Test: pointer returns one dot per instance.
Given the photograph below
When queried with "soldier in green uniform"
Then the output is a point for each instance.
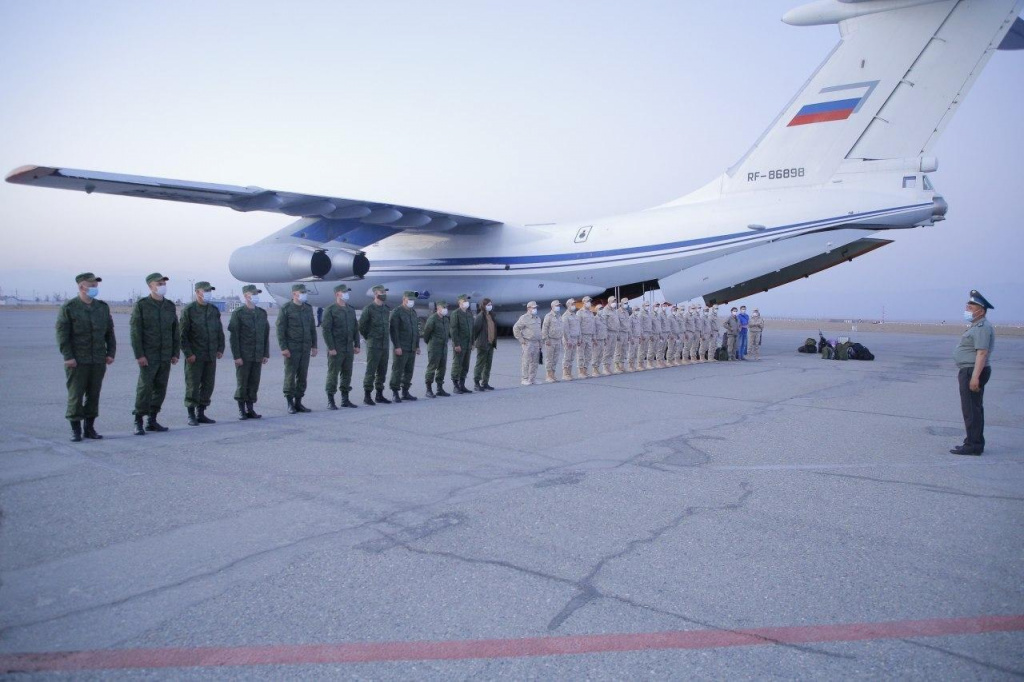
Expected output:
(435, 334)
(85, 337)
(462, 343)
(155, 343)
(202, 344)
(972, 357)
(485, 339)
(249, 334)
(341, 337)
(374, 326)
(296, 335)
(405, 337)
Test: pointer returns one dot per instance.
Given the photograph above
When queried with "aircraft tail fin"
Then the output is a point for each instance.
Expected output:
(885, 92)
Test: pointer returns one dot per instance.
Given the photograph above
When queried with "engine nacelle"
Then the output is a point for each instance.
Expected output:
(294, 262)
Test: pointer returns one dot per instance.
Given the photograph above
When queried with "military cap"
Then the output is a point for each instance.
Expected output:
(531, 304)
(379, 288)
(409, 294)
(569, 301)
(155, 277)
(251, 289)
(978, 299)
(587, 299)
(301, 288)
(441, 304)
(87, 277)
(341, 287)
(204, 286)
(463, 297)
(555, 302)
(611, 298)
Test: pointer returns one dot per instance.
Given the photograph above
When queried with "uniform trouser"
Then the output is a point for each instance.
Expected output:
(649, 351)
(530, 360)
(730, 344)
(401, 370)
(248, 379)
(482, 369)
(437, 360)
(671, 343)
(339, 367)
(570, 352)
(376, 368)
(741, 344)
(704, 348)
(621, 347)
(599, 346)
(152, 387)
(553, 356)
(586, 354)
(971, 404)
(84, 383)
(659, 347)
(200, 377)
(296, 369)
(609, 354)
(755, 343)
(460, 363)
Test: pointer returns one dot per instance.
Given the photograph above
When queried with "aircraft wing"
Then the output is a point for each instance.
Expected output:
(361, 221)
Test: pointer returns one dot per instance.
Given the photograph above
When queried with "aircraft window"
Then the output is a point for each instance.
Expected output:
(909, 181)
(927, 183)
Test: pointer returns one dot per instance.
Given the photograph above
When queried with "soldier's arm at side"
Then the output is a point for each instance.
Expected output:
(364, 322)
(111, 339)
(135, 326)
(64, 336)
(220, 336)
(236, 345)
(175, 346)
(312, 316)
(282, 327)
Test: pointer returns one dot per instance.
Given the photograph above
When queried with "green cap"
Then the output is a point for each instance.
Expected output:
(251, 289)
(441, 304)
(379, 288)
(155, 277)
(341, 287)
(204, 286)
(409, 294)
(463, 297)
(301, 288)
(87, 277)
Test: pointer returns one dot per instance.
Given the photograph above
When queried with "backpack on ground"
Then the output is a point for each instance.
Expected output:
(828, 353)
(808, 347)
(843, 351)
(860, 352)
(722, 353)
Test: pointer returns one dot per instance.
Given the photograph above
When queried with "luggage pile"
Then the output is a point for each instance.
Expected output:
(836, 349)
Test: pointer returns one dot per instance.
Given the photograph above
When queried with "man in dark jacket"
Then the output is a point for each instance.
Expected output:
(374, 326)
(249, 334)
(155, 343)
(462, 343)
(296, 335)
(405, 337)
(341, 337)
(485, 340)
(202, 343)
(85, 336)
(435, 333)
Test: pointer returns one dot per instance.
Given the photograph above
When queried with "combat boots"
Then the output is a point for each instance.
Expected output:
(477, 387)
(584, 373)
(460, 386)
(202, 418)
(299, 407)
(330, 402)
(242, 414)
(250, 412)
(90, 429)
(441, 393)
(192, 421)
(345, 402)
(291, 404)
(381, 399)
(566, 375)
(395, 398)
(550, 379)
(139, 431)
(619, 369)
(367, 398)
(76, 432)
(152, 425)
(406, 395)
(430, 390)
(486, 386)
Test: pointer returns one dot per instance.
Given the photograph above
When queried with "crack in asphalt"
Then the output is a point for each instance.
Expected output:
(930, 487)
(964, 657)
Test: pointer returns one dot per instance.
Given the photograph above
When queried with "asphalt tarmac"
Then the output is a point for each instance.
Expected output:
(782, 519)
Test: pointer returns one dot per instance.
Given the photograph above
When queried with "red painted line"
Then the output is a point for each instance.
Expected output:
(375, 652)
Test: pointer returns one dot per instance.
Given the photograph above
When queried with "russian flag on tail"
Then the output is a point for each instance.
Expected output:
(833, 110)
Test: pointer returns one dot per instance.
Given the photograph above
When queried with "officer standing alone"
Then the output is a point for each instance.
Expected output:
(341, 338)
(85, 337)
(296, 335)
(156, 345)
(972, 356)
(249, 337)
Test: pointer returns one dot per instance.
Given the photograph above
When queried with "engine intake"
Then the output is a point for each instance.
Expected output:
(294, 262)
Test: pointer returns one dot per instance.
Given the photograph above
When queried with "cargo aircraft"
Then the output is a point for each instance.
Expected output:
(842, 166)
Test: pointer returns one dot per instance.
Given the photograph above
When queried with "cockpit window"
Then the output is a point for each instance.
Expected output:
(927, 183)
(909, 181)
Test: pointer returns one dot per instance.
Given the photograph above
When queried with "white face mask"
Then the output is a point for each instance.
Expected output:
(344, 295)
(532, 311)
(464, 305)
(489, 307)
(162, 290)
(557, 308)
(442, 312)
(92, 292)
(613, 304)
(587, 305)
(303, 297)
(968, 316)
(410, 304)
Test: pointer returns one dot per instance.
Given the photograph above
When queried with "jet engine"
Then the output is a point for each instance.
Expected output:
(294, 263)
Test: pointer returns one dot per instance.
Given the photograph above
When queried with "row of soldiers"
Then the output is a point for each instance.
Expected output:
(159, 338)
(611, 339)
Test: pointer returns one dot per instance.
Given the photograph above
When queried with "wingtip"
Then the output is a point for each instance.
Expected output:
(24, 175)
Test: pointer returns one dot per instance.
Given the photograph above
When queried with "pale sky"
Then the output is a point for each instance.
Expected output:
(526, 112)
